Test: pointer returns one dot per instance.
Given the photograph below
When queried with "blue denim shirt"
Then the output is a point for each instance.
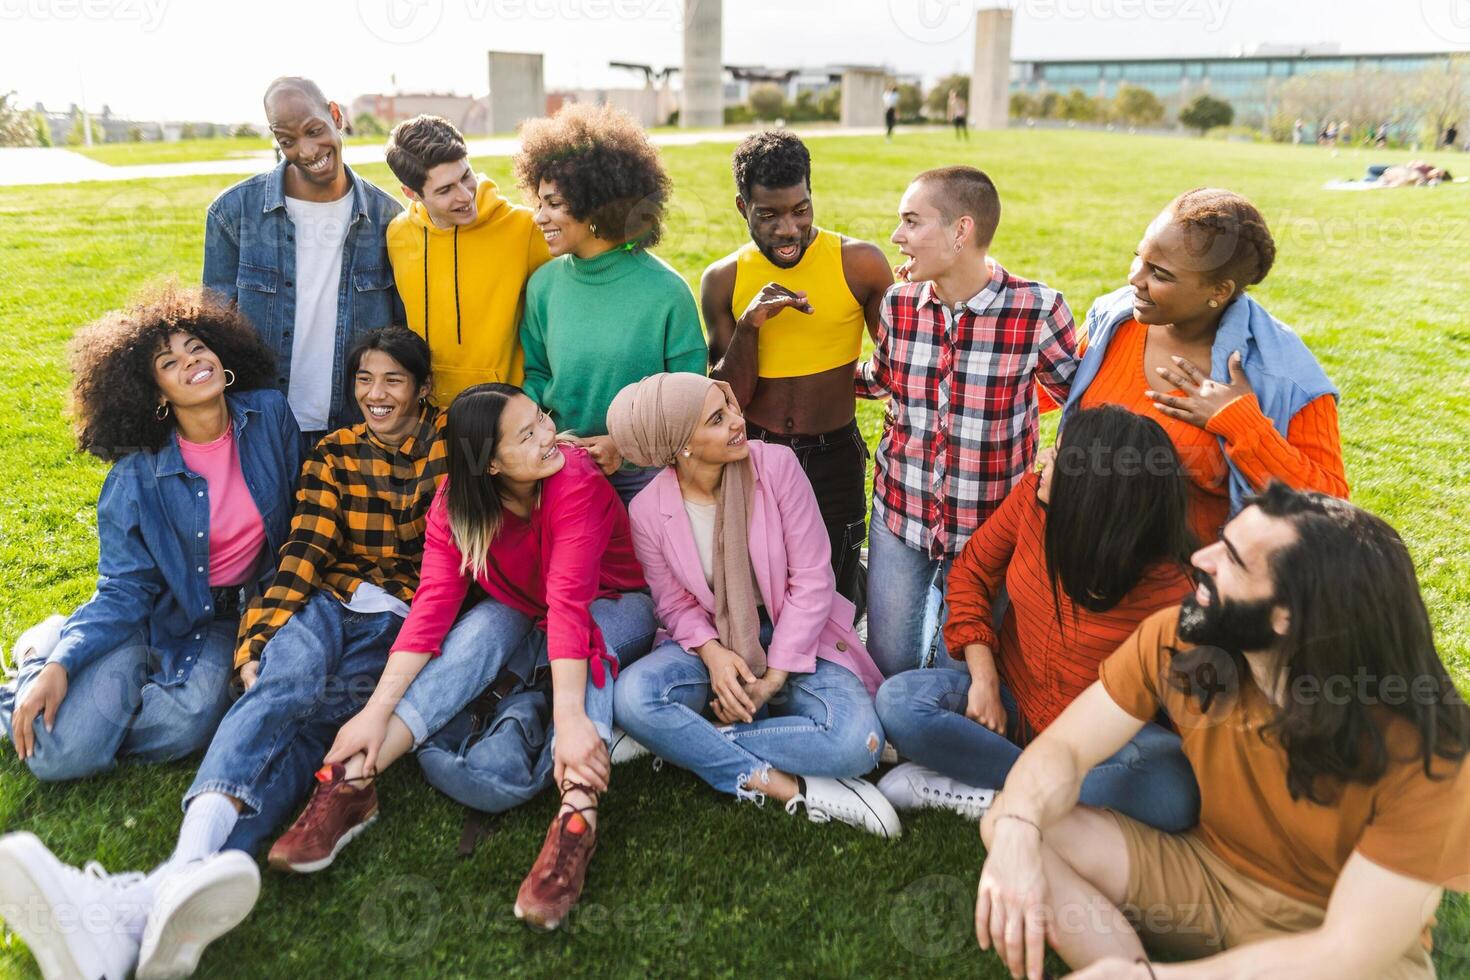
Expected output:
(1280, 367)
(250, 258)
(153, 547)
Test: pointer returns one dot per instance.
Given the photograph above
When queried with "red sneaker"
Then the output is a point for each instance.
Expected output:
(337, 812)
(554, 884)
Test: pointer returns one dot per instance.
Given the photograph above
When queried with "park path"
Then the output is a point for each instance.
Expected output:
(33, 165)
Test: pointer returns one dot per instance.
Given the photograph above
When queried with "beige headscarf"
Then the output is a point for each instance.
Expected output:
(651, 420)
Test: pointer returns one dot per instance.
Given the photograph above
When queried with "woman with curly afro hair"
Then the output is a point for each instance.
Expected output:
(1241, 397)
(176, 392)
(604, 312)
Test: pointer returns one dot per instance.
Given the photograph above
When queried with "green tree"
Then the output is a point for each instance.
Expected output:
(188, 131)
(367, 124)
(77, 136)
(767, 101)
(1205, 112)
(1137, 106)
(829, 103)
(16, 126)
(42, 128)
(1024, 105)
(910, 101)
(1050, 106)
(245, 131)
(1078, 106)
(937, 101)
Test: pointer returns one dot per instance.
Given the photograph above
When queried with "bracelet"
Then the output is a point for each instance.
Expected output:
(1011, 816)
(1147, 966)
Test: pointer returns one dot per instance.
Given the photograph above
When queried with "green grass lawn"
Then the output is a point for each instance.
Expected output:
(685, 881)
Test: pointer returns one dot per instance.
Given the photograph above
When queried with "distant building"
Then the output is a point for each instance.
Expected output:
(470, 115)
(1247, 82)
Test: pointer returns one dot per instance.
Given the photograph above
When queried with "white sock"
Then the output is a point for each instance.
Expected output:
(207, 825)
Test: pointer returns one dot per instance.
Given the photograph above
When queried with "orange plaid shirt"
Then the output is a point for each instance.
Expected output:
(360, 514)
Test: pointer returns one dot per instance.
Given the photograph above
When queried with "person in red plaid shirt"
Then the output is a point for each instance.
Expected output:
(960, 348)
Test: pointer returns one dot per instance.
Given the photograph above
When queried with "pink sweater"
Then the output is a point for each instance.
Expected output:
(236, 532)
(575, 549)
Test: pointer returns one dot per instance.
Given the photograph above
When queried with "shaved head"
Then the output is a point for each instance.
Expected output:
(304, 87)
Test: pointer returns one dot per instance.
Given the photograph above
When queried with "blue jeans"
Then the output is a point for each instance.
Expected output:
(115, 706)
(629, 480)
(905, 602)
(923, 712)
(497, 773)
(819, 724)
(316, 672)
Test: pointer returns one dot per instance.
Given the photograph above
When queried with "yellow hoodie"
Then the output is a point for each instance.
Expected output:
(470, 314)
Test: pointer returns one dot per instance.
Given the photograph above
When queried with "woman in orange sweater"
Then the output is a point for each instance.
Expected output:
(1240, 395)
(1086, 549)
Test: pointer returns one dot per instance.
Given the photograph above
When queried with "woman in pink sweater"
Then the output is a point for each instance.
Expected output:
(762, 688)
(536, 526)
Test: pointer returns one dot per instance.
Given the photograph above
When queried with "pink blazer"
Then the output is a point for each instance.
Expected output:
(791, 556)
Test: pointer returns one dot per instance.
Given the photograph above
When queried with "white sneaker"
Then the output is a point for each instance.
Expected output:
(911, 786)
(625, 748)
(75, 922)
(852, 801)
(38, 641)
(193, 908)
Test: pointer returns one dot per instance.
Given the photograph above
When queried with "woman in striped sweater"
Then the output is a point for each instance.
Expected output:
(1085, 549)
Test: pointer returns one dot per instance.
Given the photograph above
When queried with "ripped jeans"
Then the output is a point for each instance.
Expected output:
(819, 724)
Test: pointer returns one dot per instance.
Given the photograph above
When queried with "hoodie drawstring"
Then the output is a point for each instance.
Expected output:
(457, 338)
(426, 283)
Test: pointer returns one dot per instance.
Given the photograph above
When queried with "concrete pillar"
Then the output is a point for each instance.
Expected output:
(703, 75)
(862, 96)
(517, 90)
(990, 78)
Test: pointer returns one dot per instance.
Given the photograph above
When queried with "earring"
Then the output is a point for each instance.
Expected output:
(593, 228)
(161, 412)
(423, 399)
(229, 377)
(1214, 304)
(685, 454)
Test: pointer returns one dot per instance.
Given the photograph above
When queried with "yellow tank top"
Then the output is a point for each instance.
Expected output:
(793, 344)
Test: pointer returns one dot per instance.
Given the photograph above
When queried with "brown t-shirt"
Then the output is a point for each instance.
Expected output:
(1406, 822)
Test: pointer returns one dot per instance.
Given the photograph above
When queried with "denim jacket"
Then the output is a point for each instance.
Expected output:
(250, 259)
(153, 542)
(1283, 372)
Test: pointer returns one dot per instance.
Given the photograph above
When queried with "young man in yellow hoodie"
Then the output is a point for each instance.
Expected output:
(461, 255)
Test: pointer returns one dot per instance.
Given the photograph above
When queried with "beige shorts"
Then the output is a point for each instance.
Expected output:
(1186, 902)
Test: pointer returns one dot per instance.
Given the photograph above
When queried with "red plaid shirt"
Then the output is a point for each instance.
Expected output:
(961, 424)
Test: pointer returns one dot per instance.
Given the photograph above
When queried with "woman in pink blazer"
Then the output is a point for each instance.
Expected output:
(762, 688)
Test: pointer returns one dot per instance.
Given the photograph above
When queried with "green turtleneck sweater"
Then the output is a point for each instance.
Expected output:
(594, 325)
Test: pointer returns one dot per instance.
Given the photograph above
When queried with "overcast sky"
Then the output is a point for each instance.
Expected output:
(210, 59)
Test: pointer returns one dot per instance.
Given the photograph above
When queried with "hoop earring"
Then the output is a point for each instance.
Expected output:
(423, 399)
(229, 377)
(161, 412)
(593, 228)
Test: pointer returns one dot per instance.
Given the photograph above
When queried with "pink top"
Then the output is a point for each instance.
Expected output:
(236, 532)
(789, 552)
(576, 548)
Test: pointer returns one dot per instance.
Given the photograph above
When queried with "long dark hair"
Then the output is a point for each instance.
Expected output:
(1118, 503)
(1349, 586)
(473, 495)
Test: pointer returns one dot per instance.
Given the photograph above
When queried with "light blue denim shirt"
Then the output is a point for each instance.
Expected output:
(153, 541)
(1283, 372)
(250, 258)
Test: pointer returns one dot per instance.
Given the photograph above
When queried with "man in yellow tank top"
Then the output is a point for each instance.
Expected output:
(786, 314)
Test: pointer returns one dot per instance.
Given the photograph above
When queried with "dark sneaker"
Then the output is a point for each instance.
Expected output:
(337, 813)
(554, 883)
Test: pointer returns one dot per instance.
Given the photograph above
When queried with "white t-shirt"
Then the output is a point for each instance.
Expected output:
(890, 100)
(702, 523)
(321, 236)
(368, 598)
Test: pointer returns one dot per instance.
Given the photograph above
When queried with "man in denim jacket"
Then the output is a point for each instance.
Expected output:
(303, 251)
